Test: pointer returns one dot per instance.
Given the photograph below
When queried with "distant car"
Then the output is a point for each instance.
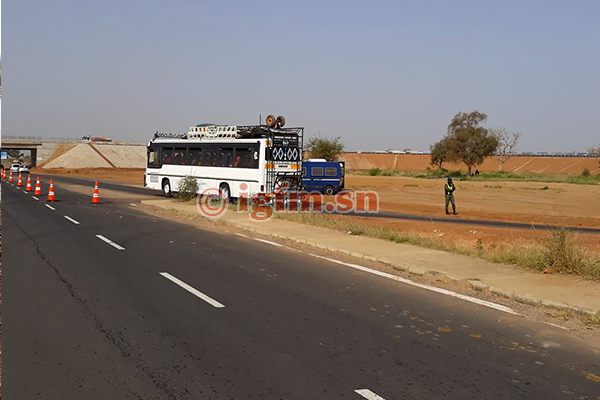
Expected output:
(15, 167)
(24, 168)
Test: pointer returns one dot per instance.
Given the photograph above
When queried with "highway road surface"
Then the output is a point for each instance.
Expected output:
(108, 302)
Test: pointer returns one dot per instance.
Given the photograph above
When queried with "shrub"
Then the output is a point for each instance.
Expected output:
(586, 172)
(188, 189)
(374, 172)
(563, 252)
(456, 174)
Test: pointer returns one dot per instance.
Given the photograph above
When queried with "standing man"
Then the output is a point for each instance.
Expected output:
(449, 188)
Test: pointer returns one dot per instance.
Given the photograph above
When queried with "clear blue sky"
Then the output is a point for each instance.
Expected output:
(380, 74)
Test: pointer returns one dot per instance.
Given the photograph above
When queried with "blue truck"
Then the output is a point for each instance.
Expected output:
(323, 176)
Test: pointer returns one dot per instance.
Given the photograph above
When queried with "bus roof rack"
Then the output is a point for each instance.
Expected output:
(158, 134)
(262, 130)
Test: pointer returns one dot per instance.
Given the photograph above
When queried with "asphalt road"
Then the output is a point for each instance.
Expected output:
(154, 309)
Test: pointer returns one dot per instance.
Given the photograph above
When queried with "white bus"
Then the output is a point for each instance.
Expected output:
(235, 160)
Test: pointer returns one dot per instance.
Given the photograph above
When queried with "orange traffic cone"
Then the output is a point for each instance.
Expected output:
(51, 197)
(28, 187)
(38, 187)
(3, 174)
(20, 181)
(10, 177)
(96, 196)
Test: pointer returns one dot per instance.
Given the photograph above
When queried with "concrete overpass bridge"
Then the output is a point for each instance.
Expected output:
(37, 145)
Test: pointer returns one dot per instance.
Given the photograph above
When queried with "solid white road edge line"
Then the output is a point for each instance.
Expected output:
(192, 290)
(367, 394)
(268, 242)
(71, 219)
(113, 244)
(241, 234)
(35, 198)
(50, 207)
(446, 292)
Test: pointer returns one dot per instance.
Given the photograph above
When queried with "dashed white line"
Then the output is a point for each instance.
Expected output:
(35, 198)
(25, 192)
(192, 290)
(107, 240)
(241, 234)
(367, 394)
(446, 292)
(268, 242)
(71, 219)
(50, 207)
(133, 204)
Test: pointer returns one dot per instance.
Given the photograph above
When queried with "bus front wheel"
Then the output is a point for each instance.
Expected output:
(166, 188)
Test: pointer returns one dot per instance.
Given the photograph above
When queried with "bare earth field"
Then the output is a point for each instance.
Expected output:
(529, 202)
(133, 176)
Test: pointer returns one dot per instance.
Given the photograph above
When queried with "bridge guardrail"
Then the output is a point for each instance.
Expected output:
(67, 140)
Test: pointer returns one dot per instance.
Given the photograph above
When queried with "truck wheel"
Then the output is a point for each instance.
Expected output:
(166, 188)
(280, 121)
(270, 121)
(224, 192)
(329, 190)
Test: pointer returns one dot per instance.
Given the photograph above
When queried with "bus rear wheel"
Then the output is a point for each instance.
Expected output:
(225, 192)
(166, 188)
(329, 190)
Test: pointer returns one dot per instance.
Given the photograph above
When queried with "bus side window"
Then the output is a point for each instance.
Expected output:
(255, 156)
(180, 156)
(166, 155)
(316, 171)
(226, 157)
(209, 156)
(243, 157)
(153, 158)
(195, 156)
(330, 171)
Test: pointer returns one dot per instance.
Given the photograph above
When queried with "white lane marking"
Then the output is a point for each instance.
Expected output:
(107, 240)
(192, 290)
(446, 292)
(133, 204)
(268, 242)
(50, 207)
(71, 219)
(241, 234)
(556, 326)
(35, 198)
(25, 192)
(367, 394)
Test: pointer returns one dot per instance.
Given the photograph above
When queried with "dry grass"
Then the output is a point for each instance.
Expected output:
(556, 251)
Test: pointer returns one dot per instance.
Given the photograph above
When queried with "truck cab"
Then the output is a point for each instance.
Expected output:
(327, 177)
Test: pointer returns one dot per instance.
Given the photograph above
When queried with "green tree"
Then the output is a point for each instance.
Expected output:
(439, 153)
(328, 148)
(468, 141)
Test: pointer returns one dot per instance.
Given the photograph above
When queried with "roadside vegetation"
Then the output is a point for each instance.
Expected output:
(556, 251)
(586, 178)
(188, 189)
